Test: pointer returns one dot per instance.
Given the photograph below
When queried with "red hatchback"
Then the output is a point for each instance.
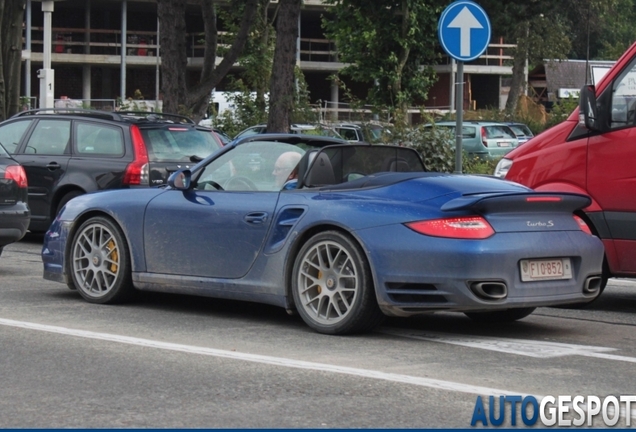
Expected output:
(592, 152)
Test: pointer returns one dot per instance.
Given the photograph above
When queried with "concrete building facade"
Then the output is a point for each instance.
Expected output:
(105, 50)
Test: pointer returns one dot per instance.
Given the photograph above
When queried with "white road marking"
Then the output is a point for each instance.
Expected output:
(525, 347)
(275, 361)
(290, 363)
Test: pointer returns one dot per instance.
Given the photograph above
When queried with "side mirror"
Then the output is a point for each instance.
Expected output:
(588, 112)
(181, 179)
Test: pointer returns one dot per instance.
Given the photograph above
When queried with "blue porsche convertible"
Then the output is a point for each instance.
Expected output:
(343, 234)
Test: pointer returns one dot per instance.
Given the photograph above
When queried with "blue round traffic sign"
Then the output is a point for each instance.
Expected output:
(464, 30)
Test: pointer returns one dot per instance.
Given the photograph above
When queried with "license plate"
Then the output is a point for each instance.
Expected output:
(546, 269)
(503, 144)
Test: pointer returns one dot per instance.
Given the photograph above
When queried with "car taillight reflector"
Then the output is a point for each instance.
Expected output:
(467, 227)
(137, 171)
(543, 199)
(584, 226)
(17, 174)
(484, 137)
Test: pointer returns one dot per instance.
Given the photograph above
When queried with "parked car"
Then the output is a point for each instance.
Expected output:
(366, 132)
(67, 153)
(222, 136)
(521, 130)
(486, 140)
(364, 233)
(306, 129)
(592, 152)
(14, 211)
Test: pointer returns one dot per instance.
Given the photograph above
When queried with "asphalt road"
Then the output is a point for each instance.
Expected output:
(168, 361)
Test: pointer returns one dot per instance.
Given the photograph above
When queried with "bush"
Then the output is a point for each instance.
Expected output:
(437, 148)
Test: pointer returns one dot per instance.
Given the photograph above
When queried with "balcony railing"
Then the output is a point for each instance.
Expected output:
(143, 43)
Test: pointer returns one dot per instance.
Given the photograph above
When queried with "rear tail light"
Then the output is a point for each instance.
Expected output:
(583, 225)
(137, 171)
(484, 137)
(466, 227)
(17, 174)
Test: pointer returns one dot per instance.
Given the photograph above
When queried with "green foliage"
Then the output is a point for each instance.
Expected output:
(248, 111)
(475, 165)
(257, 56)
(561, 111)
(388, 43)
(602, 28)
(437, 148)
(303, 111)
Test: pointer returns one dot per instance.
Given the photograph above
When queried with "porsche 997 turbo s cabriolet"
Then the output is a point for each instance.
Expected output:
(344, 234)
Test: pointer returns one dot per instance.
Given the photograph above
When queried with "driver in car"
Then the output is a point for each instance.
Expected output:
(285, 168)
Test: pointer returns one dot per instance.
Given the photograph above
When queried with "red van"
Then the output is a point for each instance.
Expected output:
(592, 152)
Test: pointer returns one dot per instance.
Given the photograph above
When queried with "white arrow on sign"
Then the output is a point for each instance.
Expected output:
(465, 21)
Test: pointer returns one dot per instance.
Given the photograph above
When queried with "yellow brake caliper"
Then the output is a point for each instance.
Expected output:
(113, 256)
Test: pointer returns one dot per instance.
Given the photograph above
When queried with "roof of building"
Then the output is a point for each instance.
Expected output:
(569, 74)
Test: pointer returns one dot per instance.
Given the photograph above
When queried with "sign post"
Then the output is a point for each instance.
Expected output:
(464, 33)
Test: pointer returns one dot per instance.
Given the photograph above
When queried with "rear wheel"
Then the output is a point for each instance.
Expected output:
(65, 199)
(99, 262)
(507, 315)
(332, 286)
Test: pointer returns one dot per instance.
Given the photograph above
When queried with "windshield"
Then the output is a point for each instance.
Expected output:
(521, 130)
(257, 165)
(467, 131)
(178, 143)
(499, 131)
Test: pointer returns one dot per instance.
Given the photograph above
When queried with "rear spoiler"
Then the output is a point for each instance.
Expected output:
(531, 202)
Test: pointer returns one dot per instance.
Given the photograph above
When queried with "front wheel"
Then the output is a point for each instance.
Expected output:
(332, 286)
(99, 262)
(502, 316)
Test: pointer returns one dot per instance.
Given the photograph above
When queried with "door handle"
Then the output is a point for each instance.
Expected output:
(256, 218)
(52, 166)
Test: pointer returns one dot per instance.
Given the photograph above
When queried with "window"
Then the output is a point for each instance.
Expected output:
(348, 134)
(96, 139)
(11, 134)
(624, 98)
(498, 132)
(50, 137)
(178, 144)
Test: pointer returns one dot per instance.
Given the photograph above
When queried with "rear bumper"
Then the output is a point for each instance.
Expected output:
(14, 221)
(425, 274)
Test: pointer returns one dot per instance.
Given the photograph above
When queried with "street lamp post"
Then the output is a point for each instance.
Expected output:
(46, 74)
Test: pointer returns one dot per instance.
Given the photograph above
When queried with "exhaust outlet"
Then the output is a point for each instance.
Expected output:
(592, 285)
(489, 290)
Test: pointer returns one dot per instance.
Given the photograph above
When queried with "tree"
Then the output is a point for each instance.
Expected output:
(11, 17)
(545, 29)
(177, 96)
(255, 61)
(540, 30)
(281, 97)
(601, 29)
(388, 42)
